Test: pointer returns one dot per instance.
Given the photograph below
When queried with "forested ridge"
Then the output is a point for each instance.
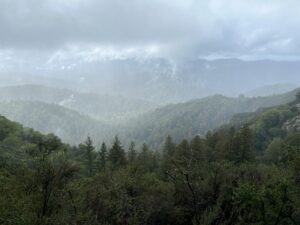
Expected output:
(72, 115)
(244, 173)
(195, 117)
(103, 107)
(71, 126)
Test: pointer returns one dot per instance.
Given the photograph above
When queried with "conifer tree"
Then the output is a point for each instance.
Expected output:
(89, 154)
(132, 152)
(117, 154)
(102, 156)
(242, 148)
(183, 154)
(144, 153)
(197, 148)
(247, 149)
(169, 147)
(168, 152)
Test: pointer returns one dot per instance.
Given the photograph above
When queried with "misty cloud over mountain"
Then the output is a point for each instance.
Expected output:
(43, 33)
(159, 81)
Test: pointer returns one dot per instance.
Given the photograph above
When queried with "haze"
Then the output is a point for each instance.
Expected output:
(98, 45)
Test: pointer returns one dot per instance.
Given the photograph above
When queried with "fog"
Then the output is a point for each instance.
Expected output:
(151, 46)
(160, 81)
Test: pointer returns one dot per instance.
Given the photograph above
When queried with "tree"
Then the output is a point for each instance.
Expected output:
(147, 160)
(247, 148)
(198, 148)
(131, 152)
(144, 155)
(52, 171)
(275, 152)
(88, 148)
(102, 157)
(183, 156)
(242, 148)
(169, 147)
(298, 97)
(168, 151)
(116, 154)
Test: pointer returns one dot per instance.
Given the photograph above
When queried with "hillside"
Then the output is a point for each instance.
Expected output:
(69, 125)
(16, 141)
(164, 81)
(161, 80)
(268, 90)
(222, 178)
(186, 120)
(270, 123)
(23, 78)
(113, 109)
(183, 120)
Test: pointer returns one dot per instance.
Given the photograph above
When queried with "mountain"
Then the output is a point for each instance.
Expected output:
(182, 120)
(185, 120)
(225, 177)
(16, 141)
(17, 78)
(164, 81)
(69, 125)
(271, 123)
(268, 90)
(113, 109)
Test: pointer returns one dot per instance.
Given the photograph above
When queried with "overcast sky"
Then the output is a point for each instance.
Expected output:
(49, 30)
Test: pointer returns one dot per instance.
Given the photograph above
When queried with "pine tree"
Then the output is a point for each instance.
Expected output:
(242, 148)
(247, 150)
(197, 148)
(183, 153)
(144, 155)
(168, 152)
(132, 152)
(102, 156)
(169, 147)
(116, 154)
(89, 154)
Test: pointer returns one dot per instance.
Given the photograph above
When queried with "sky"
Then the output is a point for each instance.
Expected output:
(43, 32)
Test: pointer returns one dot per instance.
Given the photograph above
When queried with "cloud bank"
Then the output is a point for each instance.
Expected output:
(176, 29)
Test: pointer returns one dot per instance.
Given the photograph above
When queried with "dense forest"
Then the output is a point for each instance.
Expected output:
(246, 172)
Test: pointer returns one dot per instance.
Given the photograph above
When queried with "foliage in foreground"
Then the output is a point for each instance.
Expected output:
(247, 175)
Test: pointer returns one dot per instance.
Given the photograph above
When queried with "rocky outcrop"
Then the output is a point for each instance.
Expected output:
(292, 124)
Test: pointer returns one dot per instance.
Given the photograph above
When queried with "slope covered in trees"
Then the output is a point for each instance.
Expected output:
(113, 109)
(162, 80)
(272, 122)
(69, 125)
(186, 120)
(230, 176)
(268, 90)
(183, 120)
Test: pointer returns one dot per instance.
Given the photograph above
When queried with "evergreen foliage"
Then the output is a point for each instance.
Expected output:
(219, 179)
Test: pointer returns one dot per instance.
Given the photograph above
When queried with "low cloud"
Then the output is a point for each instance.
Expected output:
(176, 29)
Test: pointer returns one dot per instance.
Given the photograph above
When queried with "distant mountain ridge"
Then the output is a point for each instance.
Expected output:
(102, 107)
(160, 80)
(182, 120)
(69, 125)
(268, 90)
(163, 81)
